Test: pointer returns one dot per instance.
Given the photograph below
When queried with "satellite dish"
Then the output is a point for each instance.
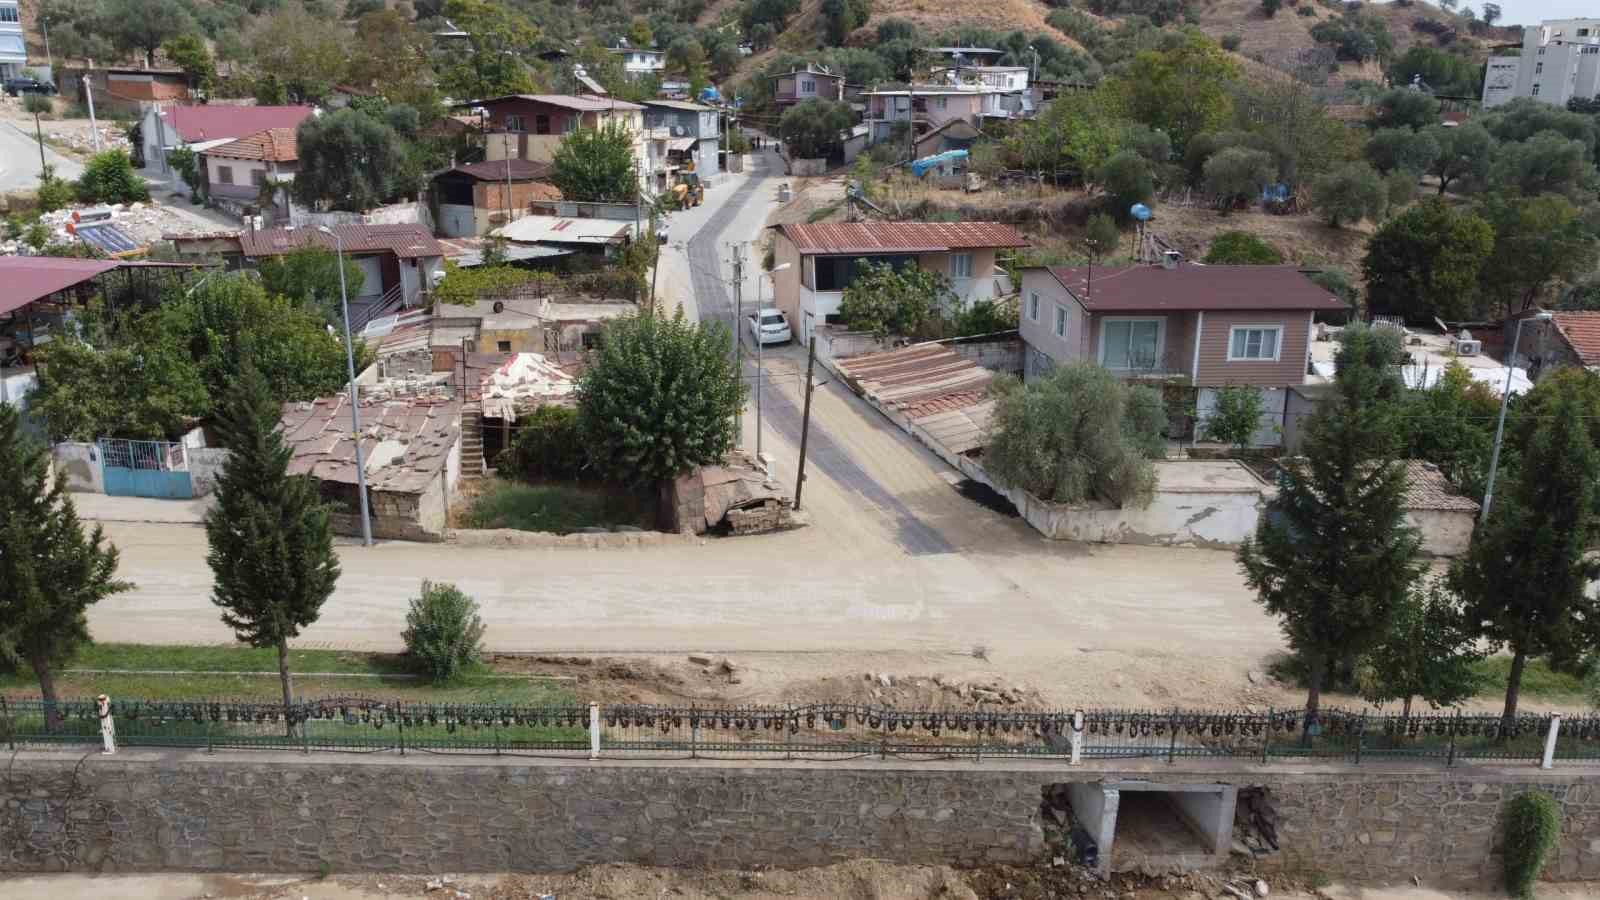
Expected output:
(1140, 211)
(499, 307)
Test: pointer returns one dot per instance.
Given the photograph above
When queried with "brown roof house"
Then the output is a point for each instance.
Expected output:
(411, 447)
(1567, 338)
(814, 82)
(476, 198)
(532, 126)
(238, 171)
(824, 258)
(1209, 326)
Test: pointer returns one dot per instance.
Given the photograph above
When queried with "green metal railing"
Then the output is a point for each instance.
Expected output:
(816, 731)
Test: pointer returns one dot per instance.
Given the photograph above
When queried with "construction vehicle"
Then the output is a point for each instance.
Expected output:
(689, 191)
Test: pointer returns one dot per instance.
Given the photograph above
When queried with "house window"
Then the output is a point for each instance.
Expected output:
(541, 124)
(808, 86)
(1033, 306)
(1254, 343)
(1536, 89)
(1538, 68)
(8, 14)
(258, 177)
(1130, 343)
(1061, 322)
(835, 273)
(503, 346)
(961, 265)
(941, 102)
(516, 123)
(225, 174)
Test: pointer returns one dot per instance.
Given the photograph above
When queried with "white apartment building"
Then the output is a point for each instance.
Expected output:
(13, 52)
(1560, 59)
(637, 63)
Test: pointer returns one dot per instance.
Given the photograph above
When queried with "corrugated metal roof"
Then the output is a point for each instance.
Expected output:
(560, 230)
(1582, 331)
(900, 237)
(271, 144)
(1189, 286)
(404, 241)
(404, 442)
(519, 170)
(30, 278)
(216, 120)
(581, 103)
(678, 104)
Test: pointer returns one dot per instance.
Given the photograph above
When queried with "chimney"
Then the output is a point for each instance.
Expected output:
(1170, 259)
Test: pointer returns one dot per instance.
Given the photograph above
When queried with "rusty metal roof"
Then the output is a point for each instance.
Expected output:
(30, 278)
(1190, 286)
(404, 442)
(900, 237)
(938, 390)
(404, 241)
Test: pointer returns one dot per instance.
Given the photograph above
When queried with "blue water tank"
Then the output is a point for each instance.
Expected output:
(1139, 211)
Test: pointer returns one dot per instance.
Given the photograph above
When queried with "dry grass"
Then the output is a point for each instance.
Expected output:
(939, 15)
(1303, 239)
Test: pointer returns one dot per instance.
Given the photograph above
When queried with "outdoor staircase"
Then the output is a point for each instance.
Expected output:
(472, 442)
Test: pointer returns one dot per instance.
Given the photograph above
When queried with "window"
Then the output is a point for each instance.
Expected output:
(541, 124)
(835, 273)
(1130, 343)
(808, 86)
(258, 177)
(225, 174)
(1061, 321)
(8, 14)
(1536, 89)
(1538, 68)
(961, 265)
(1254, 343)
(503, 346)
(515, 123)
(1033, 306)
(941, 102)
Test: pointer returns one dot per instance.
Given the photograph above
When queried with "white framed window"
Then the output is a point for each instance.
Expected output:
(808, 86)
(1253, 343)
(516, 123)
(1033, 306)
(1538, 68)
(225, 174)
(8, 14)
(961, 265)
(1061, 321)
(941, 102)
(1536, 89)
(1132, 343)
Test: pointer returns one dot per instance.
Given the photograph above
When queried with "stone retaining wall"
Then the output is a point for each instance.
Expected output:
(147, 811)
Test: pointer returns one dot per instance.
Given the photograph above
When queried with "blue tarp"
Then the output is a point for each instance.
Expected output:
(921, 166)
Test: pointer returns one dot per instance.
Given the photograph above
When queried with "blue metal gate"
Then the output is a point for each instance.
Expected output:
(146, 469)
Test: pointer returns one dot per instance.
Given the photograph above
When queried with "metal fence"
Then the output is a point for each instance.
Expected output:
(817, 731)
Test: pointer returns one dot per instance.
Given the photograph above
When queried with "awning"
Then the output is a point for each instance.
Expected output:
(31, 278)
(681, 143)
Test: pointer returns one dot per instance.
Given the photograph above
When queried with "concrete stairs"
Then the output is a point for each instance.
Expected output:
(472, 442)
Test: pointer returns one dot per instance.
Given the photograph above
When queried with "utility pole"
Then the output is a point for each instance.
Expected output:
(805, 421)
(88, 92)
(505, 147)
(738, 322)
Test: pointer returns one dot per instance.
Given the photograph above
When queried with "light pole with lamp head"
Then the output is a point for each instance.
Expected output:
(1505, 400)
(355, 395)
(761, 342)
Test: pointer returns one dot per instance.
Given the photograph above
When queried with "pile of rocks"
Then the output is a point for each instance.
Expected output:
(991, 691)
(1255, 824)
(720, 667)
(82, 140)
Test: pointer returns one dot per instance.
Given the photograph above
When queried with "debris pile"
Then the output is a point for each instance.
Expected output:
(143, 223)
(82, 140)
(1255, 824)
(1066, 841)
(720, 667)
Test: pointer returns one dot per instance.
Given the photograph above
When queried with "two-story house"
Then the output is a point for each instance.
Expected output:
(1212, 325)
(637, 63)
(13, 50)
(824, 258)
(930, 106)
(201, 127)
(814, 82)
(532, 126)
(683, 137)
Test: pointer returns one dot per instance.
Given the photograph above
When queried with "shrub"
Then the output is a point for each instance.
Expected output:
(1269, 8)
(54, 193)
(1533, 821)
(443, 631)
(1239, 248)
(1231, 41)
(1236, 417)
(109, 178)
(1306, 11)
(547, 446)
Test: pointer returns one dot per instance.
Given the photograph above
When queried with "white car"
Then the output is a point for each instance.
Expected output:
(769, 326)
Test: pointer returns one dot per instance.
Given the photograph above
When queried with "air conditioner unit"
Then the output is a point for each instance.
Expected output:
(679, 131)
(1465, 347)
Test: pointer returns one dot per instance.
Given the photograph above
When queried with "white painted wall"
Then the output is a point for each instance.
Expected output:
(1444, 533)
(82, 465)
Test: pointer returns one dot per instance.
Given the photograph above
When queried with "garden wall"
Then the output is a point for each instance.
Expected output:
(285, 812)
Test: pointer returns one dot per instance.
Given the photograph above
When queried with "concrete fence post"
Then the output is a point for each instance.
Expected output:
(594, 731)
(1550, 743)
(1077, 738)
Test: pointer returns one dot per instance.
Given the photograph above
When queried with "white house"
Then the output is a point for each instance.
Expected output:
(1559, 60)
(13, 52)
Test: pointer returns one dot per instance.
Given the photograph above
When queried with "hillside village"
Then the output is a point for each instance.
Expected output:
(1110, 383)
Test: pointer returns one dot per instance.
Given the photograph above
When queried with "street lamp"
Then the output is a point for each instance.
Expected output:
(1505, 400)
(761, 341)
(355, 396)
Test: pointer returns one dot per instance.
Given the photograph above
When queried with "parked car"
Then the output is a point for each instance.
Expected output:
(18, 86)
(770, 326)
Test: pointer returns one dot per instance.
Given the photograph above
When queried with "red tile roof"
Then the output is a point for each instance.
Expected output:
(1582, 331)
(216, 121)
(1190, 286)
(1426, 488)
(901, 237)
(273, 144)
(404, 241)
(521, 170)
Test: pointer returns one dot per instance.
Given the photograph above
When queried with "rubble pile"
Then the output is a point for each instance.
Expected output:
(1255, 824)
(143, 223)
(82, 140)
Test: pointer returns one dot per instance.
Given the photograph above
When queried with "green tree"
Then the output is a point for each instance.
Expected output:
(658, 398)
(1425, 262)
(1401, 148)
(1546, 163)
(51, 571)
(1465, 154)
(497, 35)
(1241, 248)
(1237, 173)
(305, 55)
(1402, 107)
(1126, 180)
(190, 53)
(1338, 283)
(1525, 578)
(1077, 435)
(1183, 91)
(153, 392)
(1101, 236)
(444, 633)
(271, 544)
(814, 128)
(186, 163)
(1538, 243)
(1533, 828)
(547, 446)
(1451, 424)
(346, 161)
(1237, 416)
(310, 277)
(109, 178)
(1333, 558)
(143, 25)
(1428, 652)
(1350, 193)
(596, 164)
(887, 301)
(393, 56)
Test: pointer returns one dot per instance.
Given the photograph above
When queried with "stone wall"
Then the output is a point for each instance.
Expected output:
(240, 811)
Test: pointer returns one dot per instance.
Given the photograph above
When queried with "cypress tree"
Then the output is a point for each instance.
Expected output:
(271, 544)
(51, 571)
(1333, 557)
